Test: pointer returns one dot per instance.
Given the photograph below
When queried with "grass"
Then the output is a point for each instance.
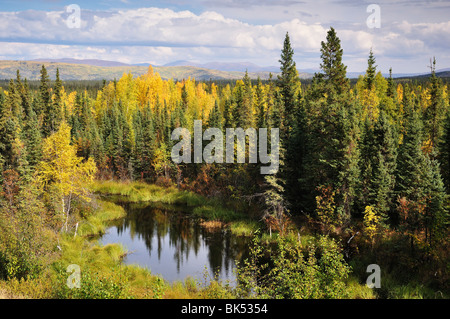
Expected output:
(95, 223)
(143, 192)
(208, 209)
(244, 227)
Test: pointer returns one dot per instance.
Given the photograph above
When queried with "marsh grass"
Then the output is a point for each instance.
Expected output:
(245, 228)
(96, 224)
(143, 192)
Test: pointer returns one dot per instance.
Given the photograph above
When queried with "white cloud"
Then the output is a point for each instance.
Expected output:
(162, 35)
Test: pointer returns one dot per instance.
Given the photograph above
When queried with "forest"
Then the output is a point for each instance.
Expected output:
(364, 178)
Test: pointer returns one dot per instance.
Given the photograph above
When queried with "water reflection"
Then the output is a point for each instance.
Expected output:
(174, 245)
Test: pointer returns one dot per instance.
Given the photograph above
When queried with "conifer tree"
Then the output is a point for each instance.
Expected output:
(228, 114)
(44, 97)
(377, 164)
(435, 112)
(33, 139)
(333, 69)
(332, 135)
(288, 82)
(260, 105)
(215, 117)
(444, 153)
(370, 72)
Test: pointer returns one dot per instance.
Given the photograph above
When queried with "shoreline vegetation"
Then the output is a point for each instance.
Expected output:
(211, 212)
(104, 276)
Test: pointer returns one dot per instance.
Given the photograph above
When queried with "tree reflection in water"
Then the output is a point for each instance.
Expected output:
(174, 245)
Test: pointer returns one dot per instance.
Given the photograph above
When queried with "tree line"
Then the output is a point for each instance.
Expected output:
(375, 150)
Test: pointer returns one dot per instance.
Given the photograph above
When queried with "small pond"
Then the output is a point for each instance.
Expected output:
(174, 245)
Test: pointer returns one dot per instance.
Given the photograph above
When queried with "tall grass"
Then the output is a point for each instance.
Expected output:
(143, 192)
(95, 224)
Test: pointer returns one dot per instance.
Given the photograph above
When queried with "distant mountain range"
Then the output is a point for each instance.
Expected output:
(95, 69)
(94, 62)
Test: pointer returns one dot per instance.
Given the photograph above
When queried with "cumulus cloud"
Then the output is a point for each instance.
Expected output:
(159, 35)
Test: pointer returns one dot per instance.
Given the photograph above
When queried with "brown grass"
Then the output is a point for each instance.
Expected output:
(213, 224)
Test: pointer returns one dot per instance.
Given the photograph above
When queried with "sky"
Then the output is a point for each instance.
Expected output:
(403, 34)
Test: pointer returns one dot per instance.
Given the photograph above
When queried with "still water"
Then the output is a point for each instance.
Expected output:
(174, 245)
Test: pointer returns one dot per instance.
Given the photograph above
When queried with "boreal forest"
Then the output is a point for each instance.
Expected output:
(363, 179)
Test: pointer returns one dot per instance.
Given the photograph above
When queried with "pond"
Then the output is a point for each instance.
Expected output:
(174, 245)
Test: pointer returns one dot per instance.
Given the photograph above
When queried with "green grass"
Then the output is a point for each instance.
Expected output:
(95, 223)
(244, 227)
(202, 207)
(142, 192)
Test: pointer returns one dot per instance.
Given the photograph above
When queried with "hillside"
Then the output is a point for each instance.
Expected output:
(76, 71)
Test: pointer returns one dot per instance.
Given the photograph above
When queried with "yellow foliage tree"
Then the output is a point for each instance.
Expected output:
(63, 172)
(371, 223)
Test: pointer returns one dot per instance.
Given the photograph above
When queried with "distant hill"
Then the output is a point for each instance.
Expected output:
(79, 71)
(92, 69)
(238, 67)
(445, 73)
(227, 66)
(94, 62)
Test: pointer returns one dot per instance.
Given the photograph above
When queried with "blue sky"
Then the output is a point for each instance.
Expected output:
(159, 32)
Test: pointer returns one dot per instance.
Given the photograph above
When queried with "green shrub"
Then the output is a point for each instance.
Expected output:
(291, 272)
(94, 284)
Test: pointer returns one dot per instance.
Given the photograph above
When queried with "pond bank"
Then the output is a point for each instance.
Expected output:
(213, 212)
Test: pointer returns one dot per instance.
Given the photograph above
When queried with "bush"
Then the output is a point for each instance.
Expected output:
(293, 272)
(110, 284)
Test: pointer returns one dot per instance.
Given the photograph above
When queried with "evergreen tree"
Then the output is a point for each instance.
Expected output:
(44, 97)
(33, 139)
(435, 112)
(411, 158)
(215, 117)
(288, 82)
(9, 124)
(334, 71)
(332, 134)
(244, 103)
(370, 72)
(378, 164)
(260, 105)
(444, 153)
(228, 114)
(391, 90)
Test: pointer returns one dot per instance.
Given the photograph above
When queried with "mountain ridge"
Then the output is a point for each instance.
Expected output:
(95, 69)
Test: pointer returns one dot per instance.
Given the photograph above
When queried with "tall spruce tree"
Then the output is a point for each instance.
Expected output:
(335, 72)
(444, 153)
(44, 97)
(435, 112)
(377, 165)
(288, 82)
(370, 72)
(332, 137)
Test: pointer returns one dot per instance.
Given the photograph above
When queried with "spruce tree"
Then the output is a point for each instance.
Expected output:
(332, 133)
(44, 97)
(288, 82)
(378, 164)
(260, 105)
(52, 110)
(246, 111)
(215, 117)
(332, 66)
(370, 72)
(33, 139)
(444, 153)
(435, 112)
